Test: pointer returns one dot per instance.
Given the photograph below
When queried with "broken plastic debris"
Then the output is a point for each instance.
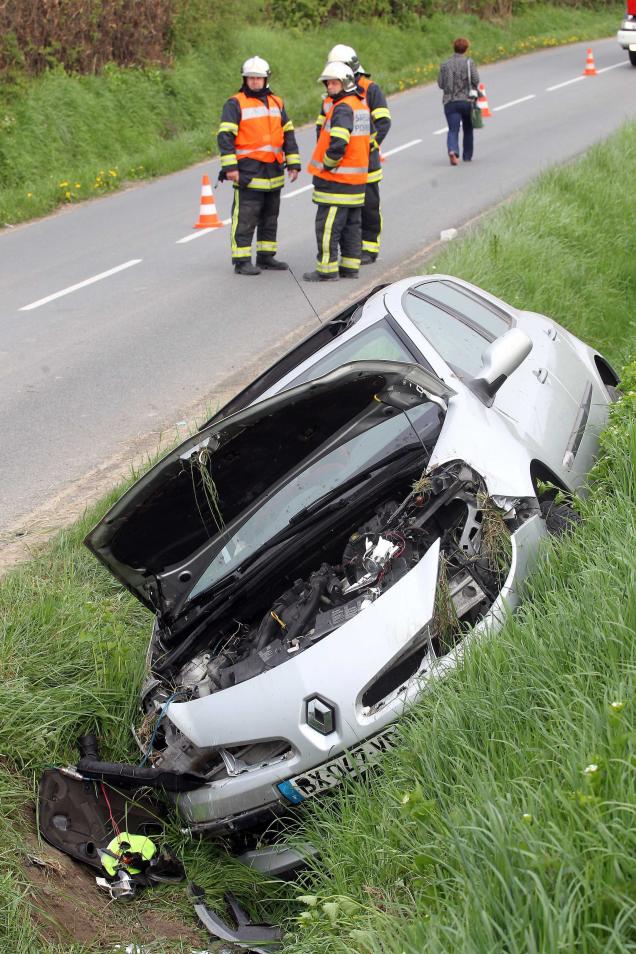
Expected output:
(247, 935)
(447, 235)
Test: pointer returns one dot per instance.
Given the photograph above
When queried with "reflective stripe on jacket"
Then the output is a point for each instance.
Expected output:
(260, 132)
(330, 161)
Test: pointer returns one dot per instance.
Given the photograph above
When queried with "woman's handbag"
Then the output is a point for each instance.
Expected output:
(476, 118)
(475, 115)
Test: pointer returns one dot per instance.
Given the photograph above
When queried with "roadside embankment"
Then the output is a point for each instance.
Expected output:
(505, 819)
(67, 137)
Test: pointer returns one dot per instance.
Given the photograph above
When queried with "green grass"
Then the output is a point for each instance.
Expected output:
(437, 853)
(64, 138)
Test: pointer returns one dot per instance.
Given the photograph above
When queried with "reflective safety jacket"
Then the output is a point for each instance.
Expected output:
(340, 161)
(380, 121)
(257, 138)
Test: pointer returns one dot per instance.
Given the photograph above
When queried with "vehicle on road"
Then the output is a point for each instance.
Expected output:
(336, 535)
(626, 35)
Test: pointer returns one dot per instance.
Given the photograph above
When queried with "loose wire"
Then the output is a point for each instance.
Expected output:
(164, 709)
(110, 811)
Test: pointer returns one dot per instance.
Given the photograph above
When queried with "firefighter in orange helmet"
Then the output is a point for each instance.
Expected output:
(380, 125)
(339, 166)
(256, 141)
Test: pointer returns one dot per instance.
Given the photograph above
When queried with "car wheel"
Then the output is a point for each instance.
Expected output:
(560, 517)
(632, 57)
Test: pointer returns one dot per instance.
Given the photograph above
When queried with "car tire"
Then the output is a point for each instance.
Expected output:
(632, 57)
(560, 517)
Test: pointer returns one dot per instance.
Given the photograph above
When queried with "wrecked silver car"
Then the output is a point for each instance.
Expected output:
(333, 537)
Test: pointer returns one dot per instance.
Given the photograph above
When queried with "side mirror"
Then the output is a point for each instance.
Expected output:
(499, 360)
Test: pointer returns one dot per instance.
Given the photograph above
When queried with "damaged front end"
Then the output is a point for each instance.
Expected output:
(309, 571)
(437, 541)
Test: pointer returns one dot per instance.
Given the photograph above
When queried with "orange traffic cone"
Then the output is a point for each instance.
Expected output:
(482, 102)
(590, 68)
(208, 217)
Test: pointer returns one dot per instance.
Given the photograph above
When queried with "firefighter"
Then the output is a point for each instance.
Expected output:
(256, 141)
(339, 167)
(380, 125)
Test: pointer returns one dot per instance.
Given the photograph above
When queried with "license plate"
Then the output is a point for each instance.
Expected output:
(352, 763)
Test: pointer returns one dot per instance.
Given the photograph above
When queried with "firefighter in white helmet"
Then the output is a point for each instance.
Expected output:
(380, 125)
(339, 168)
(256, 142)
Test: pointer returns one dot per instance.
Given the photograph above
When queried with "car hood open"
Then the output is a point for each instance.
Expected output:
(157, 539)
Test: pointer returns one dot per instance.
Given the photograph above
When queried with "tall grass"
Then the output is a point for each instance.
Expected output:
(66, 137)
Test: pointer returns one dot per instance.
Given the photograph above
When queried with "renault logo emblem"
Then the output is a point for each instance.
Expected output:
(320, 715)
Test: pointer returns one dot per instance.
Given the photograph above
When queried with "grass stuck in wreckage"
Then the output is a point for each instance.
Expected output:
(505, 819)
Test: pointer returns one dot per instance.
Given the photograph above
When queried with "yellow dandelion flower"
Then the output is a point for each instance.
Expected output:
(63, 185)
(78, 185)
(68, 195)
(29, 195)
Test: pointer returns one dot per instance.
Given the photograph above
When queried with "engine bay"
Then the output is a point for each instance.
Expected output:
(350, 568)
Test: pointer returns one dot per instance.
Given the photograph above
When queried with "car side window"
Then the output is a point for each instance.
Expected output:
(378, 342)
(459, 344)
(487, 316)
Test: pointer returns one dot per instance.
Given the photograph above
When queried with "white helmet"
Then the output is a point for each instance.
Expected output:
(256, 66)
(339, 71)
(345, 54)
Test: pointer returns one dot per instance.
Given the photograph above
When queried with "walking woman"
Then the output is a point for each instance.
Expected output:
(457, 77)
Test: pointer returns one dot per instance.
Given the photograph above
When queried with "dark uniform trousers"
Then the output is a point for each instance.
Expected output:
(254, 209)
(338, 226)
(371, 218)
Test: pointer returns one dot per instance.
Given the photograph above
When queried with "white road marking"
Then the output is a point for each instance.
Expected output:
(514, 102)
(407, 145)
(438, 132)
(200, 232)
(577, 79)
(88, 281)
(614, 67)
(290, 195)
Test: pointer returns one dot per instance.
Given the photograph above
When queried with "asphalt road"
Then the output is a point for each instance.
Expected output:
(86, 373)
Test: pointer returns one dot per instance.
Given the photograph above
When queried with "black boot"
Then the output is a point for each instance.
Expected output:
(269, 261)
(246, 268)
(348, 273)
(368, 258)
(320, 277)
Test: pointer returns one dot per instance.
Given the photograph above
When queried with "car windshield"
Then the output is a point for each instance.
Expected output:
(350, 457)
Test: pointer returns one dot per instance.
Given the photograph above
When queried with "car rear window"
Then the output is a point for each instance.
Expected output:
(376, 343)
(459, 343)
(464, 303)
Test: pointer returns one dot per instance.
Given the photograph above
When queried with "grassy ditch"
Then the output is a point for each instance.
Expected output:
(484, 831)
(64, 138)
